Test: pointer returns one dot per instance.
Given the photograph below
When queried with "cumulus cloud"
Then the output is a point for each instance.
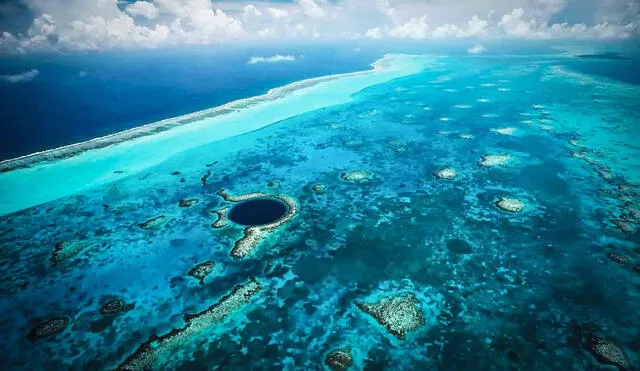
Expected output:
(143, 9)
(273, 59)
(373, 33)
(20, 77)
(107, 24)
(477, 49)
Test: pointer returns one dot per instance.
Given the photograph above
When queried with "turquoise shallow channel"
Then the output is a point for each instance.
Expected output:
(455, 213)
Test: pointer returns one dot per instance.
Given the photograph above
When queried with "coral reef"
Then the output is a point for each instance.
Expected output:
(399, 314)
(607, 352)
(494, 160)
(446, 173)
(504, 131)
(319, 188)
(158, 348)
(624, 226)
(620, 259)
(202, 270)
(66, 250)
(357, 176)
(339, 359)
(112, 307)
(511, 205)
(48, 328)
(188, 203)
(222, 220)
(253, 235)
(154, 223)
(205, 177)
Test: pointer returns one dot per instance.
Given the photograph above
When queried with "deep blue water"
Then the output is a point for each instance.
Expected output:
(79, 97)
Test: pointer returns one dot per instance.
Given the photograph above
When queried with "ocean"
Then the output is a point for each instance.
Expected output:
(441, 211)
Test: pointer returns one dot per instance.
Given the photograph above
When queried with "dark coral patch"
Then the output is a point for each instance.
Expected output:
(153, 223)
(112, 307)
(202, 270)
(459, 246)
(48, 328)
(188, 203)
(607, 352)
(339, 360)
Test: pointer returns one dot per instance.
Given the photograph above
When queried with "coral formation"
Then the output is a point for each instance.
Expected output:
(222, 220)
(66, 250)
(202, 270)
(319, 188)
(504, 131)
(48, 328)
(357, 176)
(339, 359)
(159, 348)
(446, 173)
(112, 307)
(399, 314)
(494, 160)
(511, 205)
(620, 259)
(154, 223)
(188, 203)
(253, 235)
(607, 352)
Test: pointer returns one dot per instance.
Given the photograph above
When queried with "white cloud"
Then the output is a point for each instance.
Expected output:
(21, 77)
(273, 59)
(108, 24)
(310, 8)
(373, 33)
(278, 13)
(477, 49)
(144, 9)
(416, 28)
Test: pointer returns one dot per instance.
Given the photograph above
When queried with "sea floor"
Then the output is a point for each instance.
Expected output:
(384, 256)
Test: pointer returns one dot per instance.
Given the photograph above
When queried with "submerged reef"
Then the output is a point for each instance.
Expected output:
(504, 131)
(202, 270)
(222, 220)
(188, 203)
(494, 160)
(357, 176)
(319, 188)
(66, 250)
(446, 173)
(48, 328)
(511, 205)
(254, 234)
(399, 314)
(607, 352)
(150, 354)
(112, 307)
(154, 223)
(339, 359)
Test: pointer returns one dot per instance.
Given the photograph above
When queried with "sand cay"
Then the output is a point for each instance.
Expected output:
(45, 176)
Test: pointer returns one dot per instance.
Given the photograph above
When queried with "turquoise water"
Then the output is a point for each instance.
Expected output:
(493, 289)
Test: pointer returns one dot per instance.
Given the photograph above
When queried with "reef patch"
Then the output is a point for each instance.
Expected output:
(222, 220)
(202, 270)
(399, 314)
(66, 250)
(607, 352)
(446, 173)
(511, 205)
(357, 176)
(112, 307)
(48, 328)
(154, 223)
(254, 234)
(157, 349)
(339, 359)
(494, 160)
(188, 203)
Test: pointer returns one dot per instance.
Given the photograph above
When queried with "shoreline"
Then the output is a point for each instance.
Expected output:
(72, 150)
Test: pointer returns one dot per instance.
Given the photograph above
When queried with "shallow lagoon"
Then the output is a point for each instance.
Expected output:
(495, 289)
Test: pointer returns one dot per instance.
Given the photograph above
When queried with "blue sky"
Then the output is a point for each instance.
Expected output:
(35, 25)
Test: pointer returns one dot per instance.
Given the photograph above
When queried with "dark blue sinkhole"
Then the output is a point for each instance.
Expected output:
(258, 211)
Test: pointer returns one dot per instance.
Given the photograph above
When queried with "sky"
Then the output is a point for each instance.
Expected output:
(30, 26)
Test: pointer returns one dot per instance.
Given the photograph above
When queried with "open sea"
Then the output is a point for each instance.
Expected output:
(439, 211)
